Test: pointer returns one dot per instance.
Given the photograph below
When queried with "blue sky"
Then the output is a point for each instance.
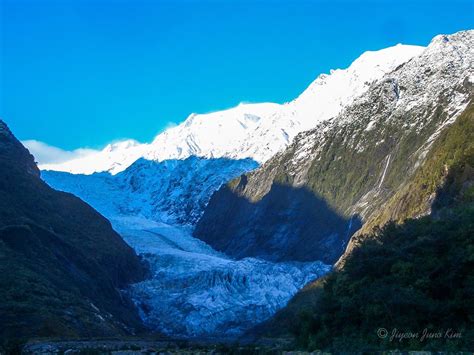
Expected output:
(81, 73)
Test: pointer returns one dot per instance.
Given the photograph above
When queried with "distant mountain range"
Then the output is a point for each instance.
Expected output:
(249, 131)
(173, 178)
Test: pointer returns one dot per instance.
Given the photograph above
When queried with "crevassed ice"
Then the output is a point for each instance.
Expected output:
(198, 292)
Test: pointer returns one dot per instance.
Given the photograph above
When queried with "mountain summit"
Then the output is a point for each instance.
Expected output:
(254, 131)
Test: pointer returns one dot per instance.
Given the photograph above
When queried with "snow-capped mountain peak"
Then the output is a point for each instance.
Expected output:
(120, 145)
(256, 131)
(113, 158)
(217, 134)
(326, 96)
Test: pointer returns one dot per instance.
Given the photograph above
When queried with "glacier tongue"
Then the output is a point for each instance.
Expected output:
(195, 291)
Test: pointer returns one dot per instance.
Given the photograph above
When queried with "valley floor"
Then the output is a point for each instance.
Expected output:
(141, 346)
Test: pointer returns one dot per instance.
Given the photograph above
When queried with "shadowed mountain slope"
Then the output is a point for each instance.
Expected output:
(286, 224)
(61, 263)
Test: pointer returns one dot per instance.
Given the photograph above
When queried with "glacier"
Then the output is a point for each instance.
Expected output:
(171, 191)
(197, 292)
(193, 291)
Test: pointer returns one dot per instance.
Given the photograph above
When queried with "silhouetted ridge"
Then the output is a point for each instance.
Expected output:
(61, 263)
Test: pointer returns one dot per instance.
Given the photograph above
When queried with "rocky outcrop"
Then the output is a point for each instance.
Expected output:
(286, 224)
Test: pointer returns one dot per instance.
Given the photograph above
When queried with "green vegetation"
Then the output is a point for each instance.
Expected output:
(342, 174)
(449, 163)
(408, 277)
(411, 276)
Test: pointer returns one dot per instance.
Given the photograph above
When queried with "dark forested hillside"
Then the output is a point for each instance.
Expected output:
(408, 277)
(61, 263)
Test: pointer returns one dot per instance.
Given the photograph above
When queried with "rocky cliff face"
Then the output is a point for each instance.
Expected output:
(443, 180)
(288, 223)
(61, 263)
(354, 162)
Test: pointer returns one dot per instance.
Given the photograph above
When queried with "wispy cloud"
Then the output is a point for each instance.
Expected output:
(48, 154)
(169, 125)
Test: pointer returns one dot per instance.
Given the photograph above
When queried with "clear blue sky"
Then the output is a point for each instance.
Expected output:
(80, 73)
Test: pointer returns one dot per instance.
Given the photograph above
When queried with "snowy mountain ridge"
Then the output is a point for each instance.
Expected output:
(255, 131)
